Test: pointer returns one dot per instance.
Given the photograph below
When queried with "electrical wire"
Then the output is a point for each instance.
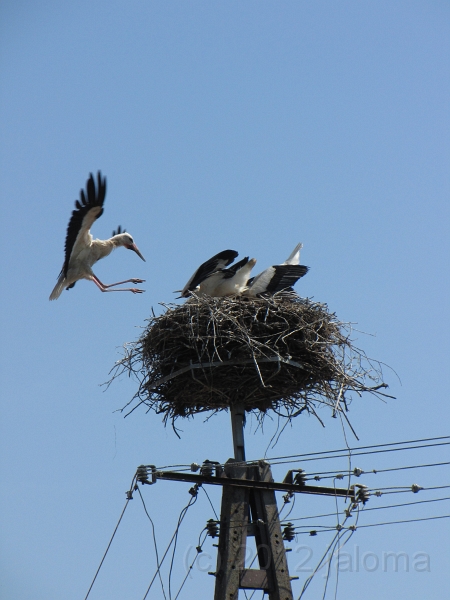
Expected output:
(282, 462)
(404, 490)
(354, 527)
(332, 544)
(331, 453)
(212, 506)
(405, 521)
(193, 562)
(446, 437)
(129, 497)
(370, 508)
(180, 519)
(154, 542)
(331, 474)
(192, 501)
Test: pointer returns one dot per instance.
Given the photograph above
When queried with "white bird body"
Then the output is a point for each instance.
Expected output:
(278, 277)
(228, 282)
(82, 251)
(206, 270)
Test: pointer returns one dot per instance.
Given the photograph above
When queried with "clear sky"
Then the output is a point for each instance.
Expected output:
(218, 124)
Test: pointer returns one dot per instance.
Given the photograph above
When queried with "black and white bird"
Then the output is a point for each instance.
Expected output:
(278, 278)
(205, 270)
(228, 282)
(82, 251)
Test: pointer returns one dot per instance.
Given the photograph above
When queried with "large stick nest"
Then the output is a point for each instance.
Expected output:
(267, 354)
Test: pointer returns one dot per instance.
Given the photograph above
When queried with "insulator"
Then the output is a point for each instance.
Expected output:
(300, 478)
(363, 494)
(141, 474)
(212, 528)
(416, 488)
(289, 532)
(207, 468)
(194, 490)
(287, 497)
(357, 471)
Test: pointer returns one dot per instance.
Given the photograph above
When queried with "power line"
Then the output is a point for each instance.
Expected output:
(332, 452)
(110, 541)
(350, 452)
(355, 527)
(180, 519)
(403, 490)
(362, 448)
(405, 521)
(200, 544)
(331, 474)
(371, 508)
(154, 542)
(212, 506)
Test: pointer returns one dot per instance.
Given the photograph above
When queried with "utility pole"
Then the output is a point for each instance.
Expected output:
(249, 509)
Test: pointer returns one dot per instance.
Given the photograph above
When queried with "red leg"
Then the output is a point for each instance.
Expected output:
(104, 288)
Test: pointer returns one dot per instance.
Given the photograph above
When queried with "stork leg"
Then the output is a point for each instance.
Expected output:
(126, 281)
(105, 288)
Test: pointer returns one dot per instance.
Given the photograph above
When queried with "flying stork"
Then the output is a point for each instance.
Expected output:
(82, 251)
(278, 277)
(205, 270)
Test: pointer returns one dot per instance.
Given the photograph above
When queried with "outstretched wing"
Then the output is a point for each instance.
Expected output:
(276, 278)
(285, 276)
(87, 210)
(216, 262)
(231, 272)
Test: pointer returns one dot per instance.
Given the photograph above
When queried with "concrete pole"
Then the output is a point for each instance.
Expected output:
(237, 412)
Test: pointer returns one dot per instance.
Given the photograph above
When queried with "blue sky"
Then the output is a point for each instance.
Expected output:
(246, 125)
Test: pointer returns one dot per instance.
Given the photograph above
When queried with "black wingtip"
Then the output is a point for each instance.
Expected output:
(226, 255)
(119, 230)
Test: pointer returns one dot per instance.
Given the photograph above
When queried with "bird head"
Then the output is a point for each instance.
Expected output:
(125, 239)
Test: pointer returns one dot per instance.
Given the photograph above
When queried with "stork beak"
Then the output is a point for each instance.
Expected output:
(136, 249)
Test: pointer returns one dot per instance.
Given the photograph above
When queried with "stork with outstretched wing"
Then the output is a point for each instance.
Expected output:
(278, 278)
(82, 251)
